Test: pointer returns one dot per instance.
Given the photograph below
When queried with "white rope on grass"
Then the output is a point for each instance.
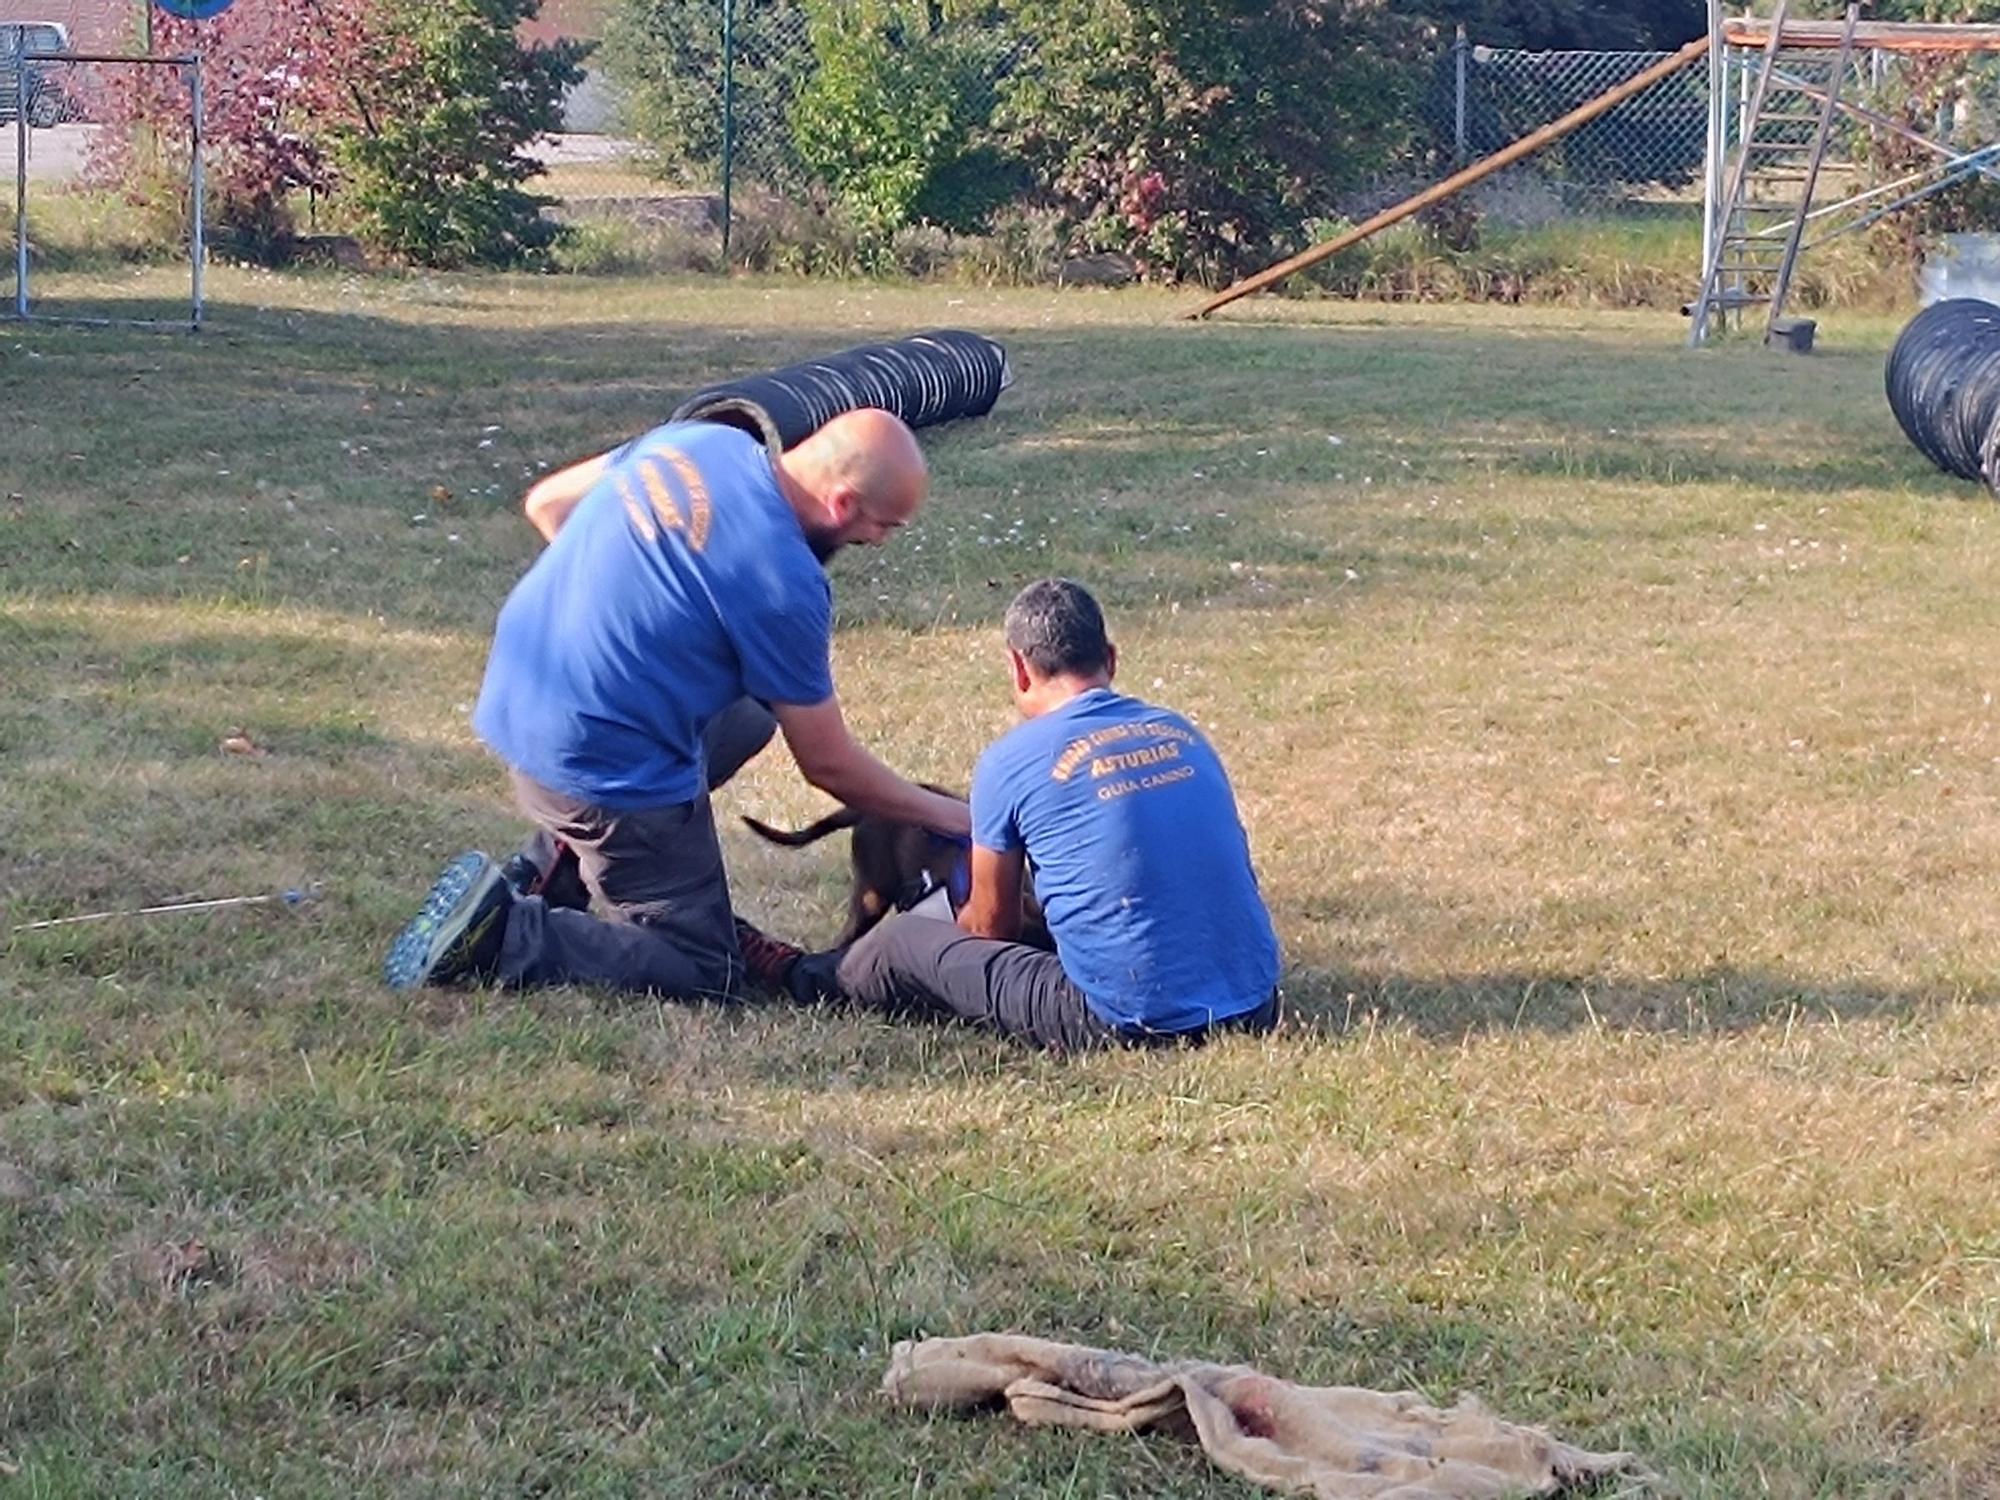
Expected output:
(294, 897)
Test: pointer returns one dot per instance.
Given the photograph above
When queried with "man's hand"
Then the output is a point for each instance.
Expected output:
(830, 758)
(552, 497)
(993, 909)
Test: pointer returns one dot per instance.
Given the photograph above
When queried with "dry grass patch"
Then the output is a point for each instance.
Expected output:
(1621, 775)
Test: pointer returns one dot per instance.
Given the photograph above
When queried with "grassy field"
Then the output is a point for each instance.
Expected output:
(1616, 733)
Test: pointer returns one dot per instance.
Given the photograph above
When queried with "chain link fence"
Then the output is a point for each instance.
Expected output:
(727, 115)
(1645, 155)
(714, 98)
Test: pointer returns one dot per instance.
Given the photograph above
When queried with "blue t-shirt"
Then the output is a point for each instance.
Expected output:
(1141, 862)
(681, 582)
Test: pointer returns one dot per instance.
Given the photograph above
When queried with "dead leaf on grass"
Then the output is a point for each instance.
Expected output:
(440, 495)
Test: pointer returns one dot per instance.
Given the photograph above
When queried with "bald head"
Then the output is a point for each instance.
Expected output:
(878, 455)
(855, 480)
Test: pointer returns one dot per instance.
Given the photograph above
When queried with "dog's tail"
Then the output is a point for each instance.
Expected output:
(847, 817)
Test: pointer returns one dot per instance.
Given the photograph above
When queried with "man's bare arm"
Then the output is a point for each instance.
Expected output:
(993, 909)
(552, 497)
(832, 760)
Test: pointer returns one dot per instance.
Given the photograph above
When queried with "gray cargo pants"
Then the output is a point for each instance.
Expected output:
(915, 963)
(655, 872)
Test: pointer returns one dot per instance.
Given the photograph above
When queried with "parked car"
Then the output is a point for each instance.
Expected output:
(48, 104)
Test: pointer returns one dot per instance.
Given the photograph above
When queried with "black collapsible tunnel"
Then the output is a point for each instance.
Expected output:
(1943, 380)
(924, 379)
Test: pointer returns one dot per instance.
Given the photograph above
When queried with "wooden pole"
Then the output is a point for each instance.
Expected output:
(1527, 145)
(1888, 36)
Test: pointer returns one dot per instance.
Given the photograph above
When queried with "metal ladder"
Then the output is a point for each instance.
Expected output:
(1786, 125)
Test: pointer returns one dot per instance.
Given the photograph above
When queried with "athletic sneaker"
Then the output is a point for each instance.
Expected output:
(457, 933)
(768, 960)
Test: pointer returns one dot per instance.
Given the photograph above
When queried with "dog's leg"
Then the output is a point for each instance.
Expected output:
(865, 907)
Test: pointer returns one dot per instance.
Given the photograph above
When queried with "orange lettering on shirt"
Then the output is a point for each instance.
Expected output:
(697, 494)
(654, 479)
(641, 522)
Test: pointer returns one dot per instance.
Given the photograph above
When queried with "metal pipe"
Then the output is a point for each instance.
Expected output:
(20, 183)
(198, 249)
(1894, 127)
(173, 59)
(1951, 178)
(1458, 100)
(1718, 143)
(296, 897)
(1981, 160)
(728, 116)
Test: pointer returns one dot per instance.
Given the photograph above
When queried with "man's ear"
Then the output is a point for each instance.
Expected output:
(842, 501)
(1110, 661)
(1022, 682)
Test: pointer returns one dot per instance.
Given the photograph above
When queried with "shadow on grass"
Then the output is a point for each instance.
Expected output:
(838, 1048)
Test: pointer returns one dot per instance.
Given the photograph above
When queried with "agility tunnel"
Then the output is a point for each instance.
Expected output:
(925, 379)
(1943, 380)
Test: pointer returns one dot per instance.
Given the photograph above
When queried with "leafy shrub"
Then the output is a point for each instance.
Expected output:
(892, 119)
(271, 81)
(447, 99)
(1191, 133)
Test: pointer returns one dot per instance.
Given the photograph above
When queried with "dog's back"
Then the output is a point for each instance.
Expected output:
(889, 858)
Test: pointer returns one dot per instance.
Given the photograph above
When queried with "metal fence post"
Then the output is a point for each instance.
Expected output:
(1458, 48)
(197, 189)
(728, 116)
(21, 179)
(1715, 148)
(1877, 77)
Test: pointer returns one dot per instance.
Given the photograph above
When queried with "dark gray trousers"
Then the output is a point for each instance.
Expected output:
(656, 874)
(919, 964)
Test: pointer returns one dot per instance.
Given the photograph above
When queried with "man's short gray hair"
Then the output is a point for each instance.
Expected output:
(1058, 628)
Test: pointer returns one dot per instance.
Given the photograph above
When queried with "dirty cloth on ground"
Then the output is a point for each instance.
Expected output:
(1331, 1442)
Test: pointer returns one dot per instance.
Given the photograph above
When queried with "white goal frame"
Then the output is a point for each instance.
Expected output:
(190, 70)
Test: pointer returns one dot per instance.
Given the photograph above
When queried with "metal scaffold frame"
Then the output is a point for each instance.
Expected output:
(1781, 53)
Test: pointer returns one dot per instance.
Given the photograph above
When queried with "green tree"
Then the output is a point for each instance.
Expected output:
(449, 98)
(1199, 135)
(894, 118)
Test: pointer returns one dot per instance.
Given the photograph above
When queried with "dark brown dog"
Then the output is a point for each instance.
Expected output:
(893, 860)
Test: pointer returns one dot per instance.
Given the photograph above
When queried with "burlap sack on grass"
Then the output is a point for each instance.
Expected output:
(1332, 1442)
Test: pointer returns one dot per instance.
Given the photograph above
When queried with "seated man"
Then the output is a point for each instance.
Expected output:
(680, 590)
(1140, 863)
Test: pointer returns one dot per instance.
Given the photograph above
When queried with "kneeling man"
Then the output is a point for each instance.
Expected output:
(1140, 862)
(679, 594)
